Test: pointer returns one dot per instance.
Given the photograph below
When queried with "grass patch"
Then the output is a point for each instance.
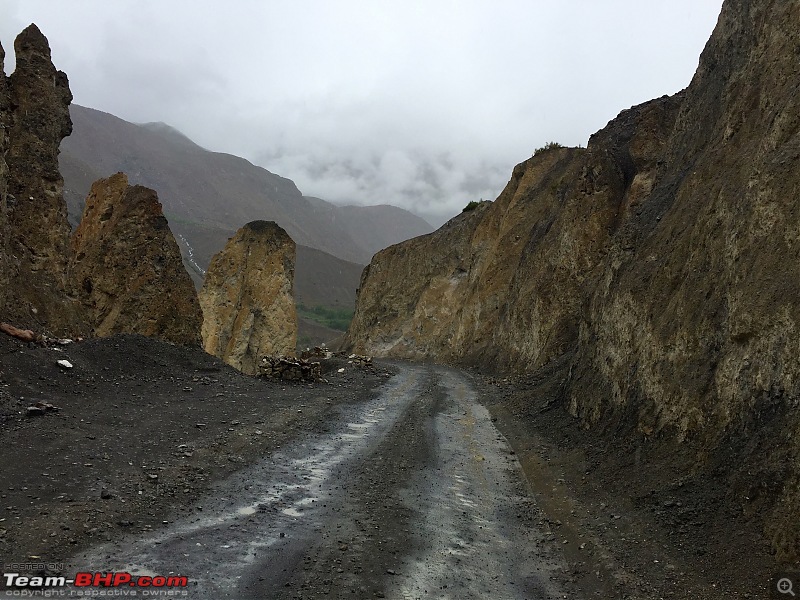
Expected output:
(335, 318)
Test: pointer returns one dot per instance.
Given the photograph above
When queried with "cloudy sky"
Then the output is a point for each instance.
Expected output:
(423, 104)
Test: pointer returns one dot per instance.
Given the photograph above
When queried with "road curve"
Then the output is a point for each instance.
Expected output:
(413, 494)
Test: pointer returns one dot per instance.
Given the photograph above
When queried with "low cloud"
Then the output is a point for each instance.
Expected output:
(434, 185)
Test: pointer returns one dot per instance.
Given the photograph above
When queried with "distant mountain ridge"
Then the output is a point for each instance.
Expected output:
(216, 191)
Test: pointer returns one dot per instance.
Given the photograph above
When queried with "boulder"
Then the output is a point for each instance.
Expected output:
(247, 302)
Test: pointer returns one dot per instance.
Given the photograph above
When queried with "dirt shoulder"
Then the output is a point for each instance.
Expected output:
(141, 431)
(633, 520)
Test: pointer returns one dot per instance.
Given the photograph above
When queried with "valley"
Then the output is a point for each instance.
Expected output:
(207, 196)
(586, 388)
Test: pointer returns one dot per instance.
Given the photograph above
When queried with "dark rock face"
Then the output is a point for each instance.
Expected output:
(126, 266)
(693, 321)
(663, 258)
(36, 99)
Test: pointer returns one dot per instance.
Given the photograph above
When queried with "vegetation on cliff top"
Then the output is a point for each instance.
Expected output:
(471, 206)
(546, 147)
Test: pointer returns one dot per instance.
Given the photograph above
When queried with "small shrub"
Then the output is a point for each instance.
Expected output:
(471, 206)
(547, 146)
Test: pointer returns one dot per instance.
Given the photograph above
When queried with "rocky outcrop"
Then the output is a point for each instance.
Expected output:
(662, 259)
(503, 284)
(122, 270)
(693, 320)
(38, 230)
(126, 266)
(248, 308)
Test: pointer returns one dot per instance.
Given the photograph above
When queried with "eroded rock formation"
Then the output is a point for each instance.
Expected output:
(126, 266)
(503, 284)
(34, 103)
(248, 308)
(662, 261)
(122, 271)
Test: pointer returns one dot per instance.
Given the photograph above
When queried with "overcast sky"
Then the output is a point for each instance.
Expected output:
(422, 104)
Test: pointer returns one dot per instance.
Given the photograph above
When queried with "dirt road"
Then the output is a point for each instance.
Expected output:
(383, 481)
(410, 494)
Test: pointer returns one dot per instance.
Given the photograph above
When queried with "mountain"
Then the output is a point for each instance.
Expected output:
(327, 280)
(375, 227)
(651, 280)
(208, 196)
(216, 192)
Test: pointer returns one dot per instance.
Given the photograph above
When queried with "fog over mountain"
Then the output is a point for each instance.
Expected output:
(209, 195)
(424, 105)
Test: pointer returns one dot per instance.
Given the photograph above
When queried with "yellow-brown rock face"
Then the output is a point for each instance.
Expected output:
(659, 266)
(248, 308)
(502, 285)
(126, 266)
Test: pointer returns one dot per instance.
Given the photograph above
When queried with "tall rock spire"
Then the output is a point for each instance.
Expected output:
(38, 230)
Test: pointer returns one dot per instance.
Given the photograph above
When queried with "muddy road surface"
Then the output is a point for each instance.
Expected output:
(389, 480)
(411, 493)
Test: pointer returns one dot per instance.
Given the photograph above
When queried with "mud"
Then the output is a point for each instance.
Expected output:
(143, 430)
(633, 519)
(393, 481)
(303, 522)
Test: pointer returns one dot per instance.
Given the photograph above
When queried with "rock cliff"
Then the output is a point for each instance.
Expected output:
(503, 284)
(248, 308)
(662, 260)
(34, 102)
(126, 266)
